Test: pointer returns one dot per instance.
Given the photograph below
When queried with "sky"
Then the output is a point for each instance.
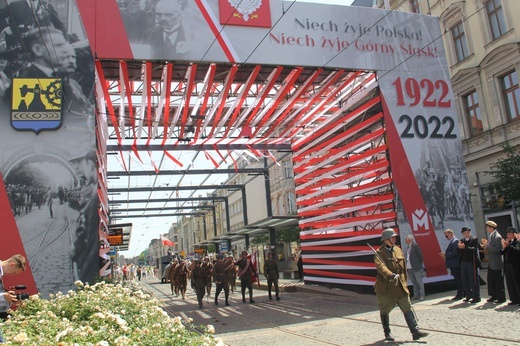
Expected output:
(146, 229)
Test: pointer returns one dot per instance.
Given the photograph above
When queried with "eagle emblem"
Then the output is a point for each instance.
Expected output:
(246, 7)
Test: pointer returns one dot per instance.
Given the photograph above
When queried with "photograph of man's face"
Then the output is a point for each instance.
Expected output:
(168, 14)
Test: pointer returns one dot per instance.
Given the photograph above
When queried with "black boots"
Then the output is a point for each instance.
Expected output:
(385, 321)
(412, 325)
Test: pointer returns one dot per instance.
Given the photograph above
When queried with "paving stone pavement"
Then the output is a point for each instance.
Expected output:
(316, 315)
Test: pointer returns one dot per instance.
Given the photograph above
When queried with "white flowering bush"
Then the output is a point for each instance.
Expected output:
(103, 315)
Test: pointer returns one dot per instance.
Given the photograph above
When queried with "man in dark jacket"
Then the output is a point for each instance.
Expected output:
(199, 280)
(391, 287)
(452, 259)
(511, 251)
(469, 265)
(221, 278)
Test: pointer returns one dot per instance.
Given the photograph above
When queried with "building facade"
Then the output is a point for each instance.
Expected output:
(482, 44)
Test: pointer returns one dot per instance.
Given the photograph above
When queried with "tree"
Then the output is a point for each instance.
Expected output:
(506, 173)
(288, 235)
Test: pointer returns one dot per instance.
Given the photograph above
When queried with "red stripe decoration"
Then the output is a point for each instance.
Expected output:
(217, 30)
(365, 265)
(340, 235)
(287, 86)
(108, 100)
(187, 95)
(171, 157)
(322, 273)
(242, 98)
(148, 86)
(167, 85)
(343, 182)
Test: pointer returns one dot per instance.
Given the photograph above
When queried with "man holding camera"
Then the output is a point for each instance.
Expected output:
(11, 266)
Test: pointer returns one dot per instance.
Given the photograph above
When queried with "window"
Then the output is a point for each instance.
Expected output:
(414, 6)
(473, 113)
(459, 40)
(287, 169)
(496, 18)
(290, 200)
(511, 92)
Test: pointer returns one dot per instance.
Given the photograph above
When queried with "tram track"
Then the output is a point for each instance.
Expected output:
(252, 321)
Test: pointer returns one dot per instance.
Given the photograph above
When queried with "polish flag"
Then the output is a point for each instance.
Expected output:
(166, 241)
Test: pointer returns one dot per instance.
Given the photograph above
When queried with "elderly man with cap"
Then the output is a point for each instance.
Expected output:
(469, 265)
(221, 278)
(495, 278)
(511, 252)
(391, 287)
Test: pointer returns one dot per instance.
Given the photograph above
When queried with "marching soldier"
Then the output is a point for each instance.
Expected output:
(271, 274)
(246, 273)
(221, 278)
(181, 279)
(391, 287)
(208, 267)
(199, 281)
(232, 273)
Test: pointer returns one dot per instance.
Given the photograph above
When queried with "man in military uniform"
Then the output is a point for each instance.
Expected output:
(391, 287)
(199, 280)
(208, 267)
(246, 274)
(271, 274)
(181, 279)
(221, 278)
(232, 272)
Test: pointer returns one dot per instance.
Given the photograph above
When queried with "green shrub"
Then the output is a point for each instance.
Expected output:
(102, 314)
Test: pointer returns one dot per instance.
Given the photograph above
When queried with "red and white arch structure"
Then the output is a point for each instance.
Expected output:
(362, 97)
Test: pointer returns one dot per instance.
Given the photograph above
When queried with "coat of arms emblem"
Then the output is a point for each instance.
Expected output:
(246, 7)
(36, 104)
(245, 13)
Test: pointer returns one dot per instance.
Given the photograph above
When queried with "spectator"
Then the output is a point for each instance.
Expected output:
(469, 266)
(11, 266)
(452, 260)
(511, 251)
(415, 267)
(495, 279)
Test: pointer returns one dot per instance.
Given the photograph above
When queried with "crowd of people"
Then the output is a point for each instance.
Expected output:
(222, 271)
(463, 257)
